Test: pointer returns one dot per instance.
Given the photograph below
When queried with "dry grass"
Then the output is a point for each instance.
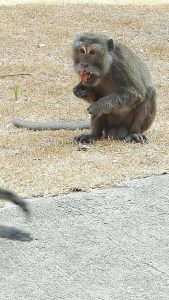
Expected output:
(36, 40)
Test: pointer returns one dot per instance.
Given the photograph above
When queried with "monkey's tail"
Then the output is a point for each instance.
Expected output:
(10, 232)
(50, 126)
(14, 198)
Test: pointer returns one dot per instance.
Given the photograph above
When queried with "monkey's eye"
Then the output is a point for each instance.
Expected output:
(92, 52)
(82, 50)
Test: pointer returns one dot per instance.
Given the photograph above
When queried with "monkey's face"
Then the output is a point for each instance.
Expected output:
(92, 58)
(88, 64)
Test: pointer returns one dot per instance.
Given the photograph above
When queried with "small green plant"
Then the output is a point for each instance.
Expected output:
(15, 90)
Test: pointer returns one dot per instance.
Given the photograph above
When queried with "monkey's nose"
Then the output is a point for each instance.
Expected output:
(84, 65)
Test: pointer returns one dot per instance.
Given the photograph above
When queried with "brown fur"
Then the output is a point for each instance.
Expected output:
(119, 90)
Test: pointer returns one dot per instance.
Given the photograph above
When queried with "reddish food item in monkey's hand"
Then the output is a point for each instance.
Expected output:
(84, 76)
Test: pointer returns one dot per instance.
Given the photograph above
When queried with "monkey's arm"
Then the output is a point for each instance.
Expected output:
(125, 98)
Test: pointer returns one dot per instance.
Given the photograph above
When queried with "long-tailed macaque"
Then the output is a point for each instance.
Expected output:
(118, 86)
(11, 232)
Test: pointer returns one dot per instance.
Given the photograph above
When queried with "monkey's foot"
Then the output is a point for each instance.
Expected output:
(86, 138)
(136, 137)
(13, 233)
(80, 91)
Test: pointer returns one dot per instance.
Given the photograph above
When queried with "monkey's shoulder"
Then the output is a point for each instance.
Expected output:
(128, 66)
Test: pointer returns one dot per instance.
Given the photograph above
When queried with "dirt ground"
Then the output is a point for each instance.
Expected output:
(116, 2)
(37, 78)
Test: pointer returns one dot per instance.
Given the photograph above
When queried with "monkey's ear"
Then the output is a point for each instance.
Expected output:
(110, 44)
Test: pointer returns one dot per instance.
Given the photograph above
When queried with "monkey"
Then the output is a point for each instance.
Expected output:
(116, 83)
(11, 232)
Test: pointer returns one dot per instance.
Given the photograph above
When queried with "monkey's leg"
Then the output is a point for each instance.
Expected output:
(87, 94)
(14, 233)
(117, 133)
(143, 118)
(96, 131)
(122, 134)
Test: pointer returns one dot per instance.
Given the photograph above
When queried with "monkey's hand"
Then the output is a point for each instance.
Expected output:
(84, 92)
(98, 108)
(81, 91)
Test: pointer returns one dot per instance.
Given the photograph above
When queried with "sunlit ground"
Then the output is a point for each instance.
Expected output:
(144, 2)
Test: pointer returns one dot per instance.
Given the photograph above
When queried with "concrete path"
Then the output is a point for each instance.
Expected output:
(110, 244)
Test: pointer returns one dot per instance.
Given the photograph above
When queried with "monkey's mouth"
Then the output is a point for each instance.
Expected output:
(85, 76)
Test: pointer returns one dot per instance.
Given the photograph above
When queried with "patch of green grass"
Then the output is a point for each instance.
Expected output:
(15, 90)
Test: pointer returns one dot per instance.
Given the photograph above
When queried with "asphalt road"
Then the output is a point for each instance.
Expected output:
(110, 244)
